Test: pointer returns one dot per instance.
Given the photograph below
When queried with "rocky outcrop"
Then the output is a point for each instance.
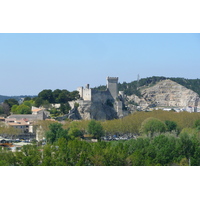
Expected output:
(168, 93)
(92, 110)
(165, 94)
(134, 102)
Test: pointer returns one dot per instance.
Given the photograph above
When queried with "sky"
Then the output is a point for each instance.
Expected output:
(31, 62)
(93, 40)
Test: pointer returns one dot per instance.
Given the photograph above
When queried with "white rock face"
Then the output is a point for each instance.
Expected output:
(140, 101)
(168, 93)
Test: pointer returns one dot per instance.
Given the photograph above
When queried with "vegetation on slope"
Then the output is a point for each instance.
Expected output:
(134, 86)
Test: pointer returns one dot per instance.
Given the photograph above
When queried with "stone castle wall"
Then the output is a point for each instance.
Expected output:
(85, 93)
(101, 96)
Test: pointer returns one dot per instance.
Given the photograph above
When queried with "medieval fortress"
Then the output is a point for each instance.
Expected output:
(99, 105)
(111, 93)
(111, 103)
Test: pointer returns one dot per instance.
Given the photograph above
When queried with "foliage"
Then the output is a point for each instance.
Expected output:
(64, 108)
(162, 150)
(74, 131)
(170, 125)
(1, 110)
(56, 96)
(197, 124)
(56, 131)
(8, 130)
(151, 125)
(132, 123)
(11, 102)
(21, 109)
(95, 129)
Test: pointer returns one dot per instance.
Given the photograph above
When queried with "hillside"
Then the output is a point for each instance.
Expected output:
(168, 93)
(135, 86)
(3, 98)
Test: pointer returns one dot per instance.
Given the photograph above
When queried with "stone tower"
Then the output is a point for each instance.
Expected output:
(112, 86)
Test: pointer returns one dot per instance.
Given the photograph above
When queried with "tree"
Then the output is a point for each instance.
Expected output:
(171, 125)
(56, 95)
(74, 95)
(64, 96)
(64, 108)
(38, 102)
(27, 98)
(56, 131)
(21, 109)
(46, 95)
(95, 129)
(14, 109)
(74, 131)
(6, 108)
(11, 102)
(29, 103)
(1, 110)
(197, 124)
(151, 125)
(185, 146)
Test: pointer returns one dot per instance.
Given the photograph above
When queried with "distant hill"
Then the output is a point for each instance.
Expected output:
(3, 98)
(135, 86)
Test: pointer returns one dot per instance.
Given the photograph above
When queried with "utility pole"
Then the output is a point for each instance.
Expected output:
(138, 78)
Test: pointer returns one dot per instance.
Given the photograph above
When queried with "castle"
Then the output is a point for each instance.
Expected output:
(88, 94)
(99, 105)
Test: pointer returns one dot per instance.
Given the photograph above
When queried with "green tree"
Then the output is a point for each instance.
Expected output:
(38, 101)
(27, 98)
(11, 102)
(151, 126)
(56, 94)
(75, 132)
(21, 109)
(95, 129)
(185, 146)
(46, 95)
(64, 108)
(55, 112)
(56, 131)
(171, 125)
(197, 124)
(29, 103)
(14, 109)
(74, 95)
(28, 156)
(64, 96)
(1, 110)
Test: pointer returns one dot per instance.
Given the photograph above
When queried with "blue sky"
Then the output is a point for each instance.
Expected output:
(33, 62)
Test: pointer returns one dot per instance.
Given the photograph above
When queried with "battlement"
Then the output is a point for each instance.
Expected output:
(112, 79)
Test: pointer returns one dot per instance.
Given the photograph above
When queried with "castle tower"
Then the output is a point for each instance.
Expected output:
(80, 90)
(112, 86)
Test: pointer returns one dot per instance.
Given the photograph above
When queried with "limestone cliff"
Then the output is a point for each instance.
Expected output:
(167, 93)
(92, 110)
